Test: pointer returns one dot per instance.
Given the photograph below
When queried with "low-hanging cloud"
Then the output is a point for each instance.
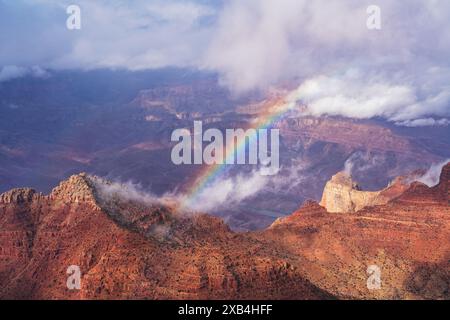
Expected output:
(424, 122)
(431, 177)
(228, 191)
(231, 191)
(361, 162)
(357, 94)
(400, 73)
(13, 72)
(129, 191)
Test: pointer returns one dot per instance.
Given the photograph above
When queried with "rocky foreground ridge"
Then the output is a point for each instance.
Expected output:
(133, 249)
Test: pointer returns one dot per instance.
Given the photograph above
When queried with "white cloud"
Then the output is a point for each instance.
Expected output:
(404, 70)
(424, 122)
(431, 177)
(257, 42)
(115, 34)
(123, 190)
(362, 162)
(398, 73)
(225, 192)
(228, 191)
(231, 191)
(183, 14)
(356, 94)
(13, 72)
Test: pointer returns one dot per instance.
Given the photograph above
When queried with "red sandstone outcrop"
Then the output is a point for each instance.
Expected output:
(18, 196)
(135, 250)
(407, 238)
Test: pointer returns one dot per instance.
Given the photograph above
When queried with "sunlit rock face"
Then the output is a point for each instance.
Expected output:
(133, 248)
(342, 194)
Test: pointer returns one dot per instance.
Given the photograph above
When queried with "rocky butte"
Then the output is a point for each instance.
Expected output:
(133, 249)
(342, 194)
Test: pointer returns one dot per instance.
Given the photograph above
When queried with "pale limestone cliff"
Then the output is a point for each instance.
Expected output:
(77, 189)
(342, 194)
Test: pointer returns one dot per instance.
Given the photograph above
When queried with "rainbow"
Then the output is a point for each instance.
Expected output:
(270, 113)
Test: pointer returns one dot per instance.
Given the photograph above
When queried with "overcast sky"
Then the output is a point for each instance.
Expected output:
(401, 72)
